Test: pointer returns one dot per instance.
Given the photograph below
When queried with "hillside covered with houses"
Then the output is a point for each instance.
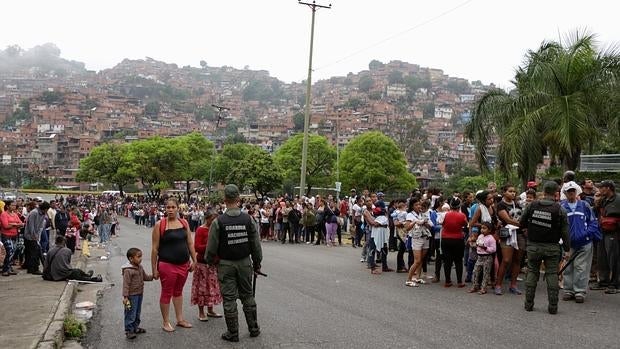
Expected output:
(53, 114)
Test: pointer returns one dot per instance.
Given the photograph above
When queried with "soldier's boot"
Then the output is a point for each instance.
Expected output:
(232, 324)
(553, 302)
(530, 292)
(250, 318)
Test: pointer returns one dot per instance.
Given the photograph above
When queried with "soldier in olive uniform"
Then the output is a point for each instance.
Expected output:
(546, 223)
(233, 239)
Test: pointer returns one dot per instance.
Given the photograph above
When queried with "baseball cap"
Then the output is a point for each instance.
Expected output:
(353, 189)
(531, 184)
(550, 187)
(379, 193)
(608, 184)
(231, 192)
(570, 186)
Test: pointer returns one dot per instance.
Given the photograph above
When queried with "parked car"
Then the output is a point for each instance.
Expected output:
(7, 195)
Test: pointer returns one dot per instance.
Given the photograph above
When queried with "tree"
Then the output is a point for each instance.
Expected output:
(375, 64)
(226, 160)
(156, 163)
(151, 109)
(373, 161)
(107, 163)
(411, 137)
(415, 82)
(320, 162)
(298, 121)
(50, 97)
(428, 110)
(235, 138)
(255, 171)
(565, 100)
(396, 77)
(197, 157)
(365, 83)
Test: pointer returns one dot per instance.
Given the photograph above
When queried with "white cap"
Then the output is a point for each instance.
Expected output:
(570, 185)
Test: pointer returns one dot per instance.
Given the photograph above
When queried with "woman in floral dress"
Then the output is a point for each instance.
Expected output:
(205, 286)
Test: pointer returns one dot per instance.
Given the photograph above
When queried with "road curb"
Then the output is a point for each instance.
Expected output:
(54, 335)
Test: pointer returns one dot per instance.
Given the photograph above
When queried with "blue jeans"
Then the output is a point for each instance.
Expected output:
(104, 232)
(45, 240)
(9, 246)
(132, 315)
(371, 253)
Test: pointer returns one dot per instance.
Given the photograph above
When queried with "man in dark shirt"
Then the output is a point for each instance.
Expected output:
(58, 265)
(234, 239)
(546, 223)
(608, 258)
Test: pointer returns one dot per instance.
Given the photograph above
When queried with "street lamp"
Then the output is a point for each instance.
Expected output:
(304, 150)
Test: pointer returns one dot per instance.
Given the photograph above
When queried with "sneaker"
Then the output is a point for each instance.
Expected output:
(515, 291)
(568, 297)
(411, 283)
(579, 298)
(598, 287)
(498, 291)
(362, 260)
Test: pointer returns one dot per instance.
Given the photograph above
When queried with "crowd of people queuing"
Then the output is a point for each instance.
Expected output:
(484, 236)
(29, 228)
(489, 237)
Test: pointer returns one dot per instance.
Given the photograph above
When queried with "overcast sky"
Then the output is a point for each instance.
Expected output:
(474, 39)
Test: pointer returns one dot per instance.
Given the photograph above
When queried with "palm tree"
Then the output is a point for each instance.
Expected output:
(565, 98)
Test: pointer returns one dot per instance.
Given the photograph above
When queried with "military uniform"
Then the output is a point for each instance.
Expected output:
(234, 240)
(546, 223)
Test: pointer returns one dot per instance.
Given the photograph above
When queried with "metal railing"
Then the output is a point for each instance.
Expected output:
(600, 163)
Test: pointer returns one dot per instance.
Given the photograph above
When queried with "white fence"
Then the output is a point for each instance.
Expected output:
(600, 163)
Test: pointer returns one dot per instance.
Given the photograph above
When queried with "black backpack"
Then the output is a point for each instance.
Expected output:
(294, 216)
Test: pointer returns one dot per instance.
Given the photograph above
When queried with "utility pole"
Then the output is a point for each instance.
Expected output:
(304, 151)
(217, 125)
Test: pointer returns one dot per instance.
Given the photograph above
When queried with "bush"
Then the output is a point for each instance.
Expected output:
(73, 327)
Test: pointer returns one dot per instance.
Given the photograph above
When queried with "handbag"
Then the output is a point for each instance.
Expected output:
(504, 233)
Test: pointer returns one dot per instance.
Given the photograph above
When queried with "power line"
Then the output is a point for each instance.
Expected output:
(430, 20)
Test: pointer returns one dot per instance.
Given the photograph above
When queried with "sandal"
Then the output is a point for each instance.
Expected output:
(203, 319)
(375, 271)
(184, 324)
(140, 330)
(215, 315)
(483, 291)
(473, 290)
(168, 328)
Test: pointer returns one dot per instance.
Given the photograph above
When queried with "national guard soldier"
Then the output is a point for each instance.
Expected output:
(546, 223)
(232, 240)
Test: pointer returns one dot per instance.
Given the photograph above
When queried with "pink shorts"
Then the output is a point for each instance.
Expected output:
(172, 277)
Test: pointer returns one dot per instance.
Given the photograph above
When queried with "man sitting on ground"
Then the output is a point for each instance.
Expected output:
(58, 265)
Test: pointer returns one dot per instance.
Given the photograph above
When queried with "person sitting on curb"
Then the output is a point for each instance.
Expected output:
(58, 265)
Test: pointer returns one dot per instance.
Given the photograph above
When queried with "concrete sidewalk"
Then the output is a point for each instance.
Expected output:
(33, 310)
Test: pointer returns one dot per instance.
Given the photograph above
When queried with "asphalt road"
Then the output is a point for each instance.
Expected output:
(320, 297)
